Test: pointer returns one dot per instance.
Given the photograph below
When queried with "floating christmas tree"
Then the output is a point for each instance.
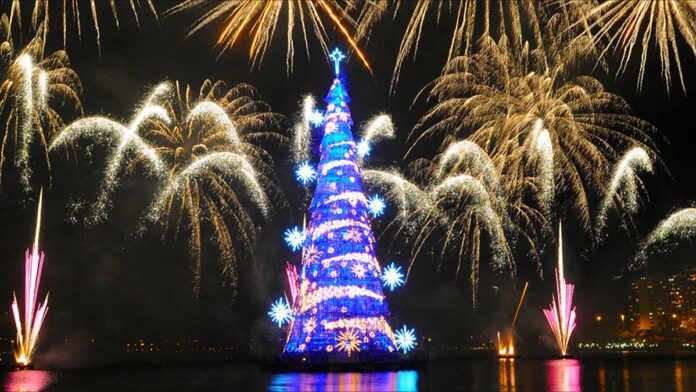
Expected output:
(339, 310)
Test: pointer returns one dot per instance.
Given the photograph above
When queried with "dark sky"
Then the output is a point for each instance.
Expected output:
(109, 285)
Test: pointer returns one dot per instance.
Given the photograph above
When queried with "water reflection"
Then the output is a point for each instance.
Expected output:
(28, 381)
(563, 375)
(506, 374)
(383, 381)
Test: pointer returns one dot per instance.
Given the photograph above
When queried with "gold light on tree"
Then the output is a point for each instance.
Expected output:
(36, 90)
(258, 19)
(34, 313)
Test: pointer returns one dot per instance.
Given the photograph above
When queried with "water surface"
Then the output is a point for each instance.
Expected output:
(481, 374)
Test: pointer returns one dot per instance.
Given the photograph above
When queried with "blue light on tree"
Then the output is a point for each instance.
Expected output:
(392, 276)
(376, 206)
(363, 148)
(405, 339)
(294, 238)
(305, 173)
(280, 312)
(316, 118)
(341, 311)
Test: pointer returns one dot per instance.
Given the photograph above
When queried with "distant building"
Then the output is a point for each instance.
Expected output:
(666, 301)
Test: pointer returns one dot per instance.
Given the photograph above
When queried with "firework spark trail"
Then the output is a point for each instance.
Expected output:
(34, 314)
(514, 19)
(379, 127)
(35, 91)
(212, 112)
(26, 127)
(228, 163)
(408, 195)
(499, 103)
(667, 235)
(561, 315)
(128, 139)
(624, 23)
(41, 14)
(543, 153)
(259, 19)
(624, 186)
(302, 131)
(465, 184)
(468, 156)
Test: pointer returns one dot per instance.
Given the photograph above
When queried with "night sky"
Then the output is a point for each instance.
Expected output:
(110, 285)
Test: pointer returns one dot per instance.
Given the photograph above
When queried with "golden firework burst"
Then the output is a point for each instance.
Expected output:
(259, 19)
(37, 90)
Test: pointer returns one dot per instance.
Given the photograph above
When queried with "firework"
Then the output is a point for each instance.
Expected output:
(667, 235)
(619, 25)
(392, 276)
(204, 151)
(624, 187)
(71, 11)
(405, 339)
(561, 314)
(533, 122)
(378, 128)
(302, 130)
(512, 19)
(34, 313)
(34, 89)
(280, 312)
(259, 19)
(127, 143)
(509, 348)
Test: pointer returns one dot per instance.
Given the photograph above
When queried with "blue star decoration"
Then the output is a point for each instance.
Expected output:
(294, 238)
(376, 206)
(305, 173)
(336, 57)
(392, 276)
(405, 339)
(280, 312)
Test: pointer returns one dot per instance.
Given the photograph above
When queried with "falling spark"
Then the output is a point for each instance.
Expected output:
(41, 15)
(525, 112)
(561, 314)
(205, 152)
(668, 234)
(259, 20)
(392, 276)
(543, 147)
(624, 187)
(619, 25)
(34, 313)
(280, 312)
(405, 339)
(302, 131)
(510, 20)
(128, 139)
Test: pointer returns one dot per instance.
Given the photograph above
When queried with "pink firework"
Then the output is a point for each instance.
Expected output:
(291, 273)
(561, 314)
(34, 313)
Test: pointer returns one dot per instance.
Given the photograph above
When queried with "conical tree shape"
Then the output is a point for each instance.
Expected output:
(340, 313)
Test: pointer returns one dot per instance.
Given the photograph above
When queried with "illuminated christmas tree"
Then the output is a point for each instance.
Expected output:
(339, 310)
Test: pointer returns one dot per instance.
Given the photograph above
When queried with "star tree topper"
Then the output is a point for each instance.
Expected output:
(336, 57)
